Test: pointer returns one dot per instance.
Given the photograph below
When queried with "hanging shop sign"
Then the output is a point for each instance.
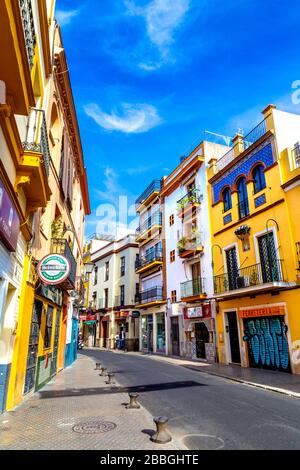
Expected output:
(53, 269)
(92, 322)
(135, 314)
(121, 314)
(9, 220)
(82, 317)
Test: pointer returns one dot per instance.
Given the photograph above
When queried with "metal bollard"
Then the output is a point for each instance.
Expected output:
(103, 371)
(110, 378)
(98, 366)
(161, 436)
(133, 401)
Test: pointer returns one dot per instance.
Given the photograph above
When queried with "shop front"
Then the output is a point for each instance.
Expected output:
(153, 332)
(43, 346)
(127, 330)
(199, 332)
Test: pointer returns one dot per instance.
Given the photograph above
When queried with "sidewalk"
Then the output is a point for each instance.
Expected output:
(281, 382)
(79, 396)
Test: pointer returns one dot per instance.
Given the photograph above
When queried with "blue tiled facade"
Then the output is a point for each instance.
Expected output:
(4, 377)
(263, 154)
(260, 200)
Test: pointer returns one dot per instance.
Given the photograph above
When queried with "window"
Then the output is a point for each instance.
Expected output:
(242, 197)
(123, 266)
(48, 328)
(122, 299)
(259, 180)
(106, 271)
(173, 296)
(94, 300)
(105, 298)
(171, 218)
(95, 275)
(172, 256)
(227, 202)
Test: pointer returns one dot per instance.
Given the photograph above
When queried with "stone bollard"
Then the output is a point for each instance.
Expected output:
(161, 436)
(103, 371)
(110, 378)
(133, 401)
(98, 366)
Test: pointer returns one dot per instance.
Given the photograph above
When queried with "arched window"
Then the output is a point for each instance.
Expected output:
(242, 197)
(259, 180)
(226, 195)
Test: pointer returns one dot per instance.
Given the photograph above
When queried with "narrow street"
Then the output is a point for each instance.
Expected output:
(213, 412)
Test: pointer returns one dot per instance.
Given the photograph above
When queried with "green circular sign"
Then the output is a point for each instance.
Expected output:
(53, 269)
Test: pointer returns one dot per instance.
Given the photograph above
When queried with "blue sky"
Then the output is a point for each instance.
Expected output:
(149, 76)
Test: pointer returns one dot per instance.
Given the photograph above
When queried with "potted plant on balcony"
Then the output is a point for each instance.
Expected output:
(182, 244)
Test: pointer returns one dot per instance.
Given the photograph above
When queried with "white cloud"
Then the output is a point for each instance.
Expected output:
(138, 170)
(135, 118)
(162, 18)
(65, 17)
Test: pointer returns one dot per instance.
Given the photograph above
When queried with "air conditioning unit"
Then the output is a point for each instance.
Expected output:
(242, 281)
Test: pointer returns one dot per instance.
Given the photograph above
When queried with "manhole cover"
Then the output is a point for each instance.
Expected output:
(94, 427)
(203, 442)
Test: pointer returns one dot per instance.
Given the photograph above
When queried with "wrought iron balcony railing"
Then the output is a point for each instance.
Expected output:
(154, 186)
(253, 136)
(36, 138)
(119, 301)
(250, 276)
(150, 295)
(61, 246)
(192, 197)
(192, 243)
(192, 288)
(148, 259)
(155, 219)
(28, 29)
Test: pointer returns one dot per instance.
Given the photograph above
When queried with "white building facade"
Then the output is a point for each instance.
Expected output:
(112, 292)
(188, 256)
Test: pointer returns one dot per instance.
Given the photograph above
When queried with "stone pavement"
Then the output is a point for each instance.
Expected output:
(282, 382)
(78, 395)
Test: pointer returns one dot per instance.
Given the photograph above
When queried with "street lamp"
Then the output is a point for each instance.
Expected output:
(88, 268)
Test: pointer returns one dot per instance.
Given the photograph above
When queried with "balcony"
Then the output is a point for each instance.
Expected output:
(149, 261)
(296, 156)
(119, 301)
(190, 246)
(192, 199)
(150, 193)
(79, 291)
(251, 138)
(149, 297)
(147, 230)
(33, 172)
(61, 246)
(193, 290)
(17, 33)
(251, 279)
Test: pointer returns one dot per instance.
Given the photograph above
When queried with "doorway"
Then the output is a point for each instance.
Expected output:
(33, 346)
(233, 332)
(175, 336)
(202, 337)
(104, 333)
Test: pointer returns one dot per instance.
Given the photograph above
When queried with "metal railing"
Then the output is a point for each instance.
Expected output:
(61, 246)
(243, 209)
(142, 261)
(193, 287)
(155, 219)
(153, 186)
(150, 295)
(36, 139)
(28, 29)
(296, 156)
(194, 196)
(253, 136)
(250, 276)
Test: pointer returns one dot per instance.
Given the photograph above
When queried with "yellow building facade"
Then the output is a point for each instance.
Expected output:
(255, 227)
(43, 183)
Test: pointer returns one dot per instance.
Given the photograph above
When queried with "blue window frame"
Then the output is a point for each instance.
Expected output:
(259, 180)
(227, 199)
